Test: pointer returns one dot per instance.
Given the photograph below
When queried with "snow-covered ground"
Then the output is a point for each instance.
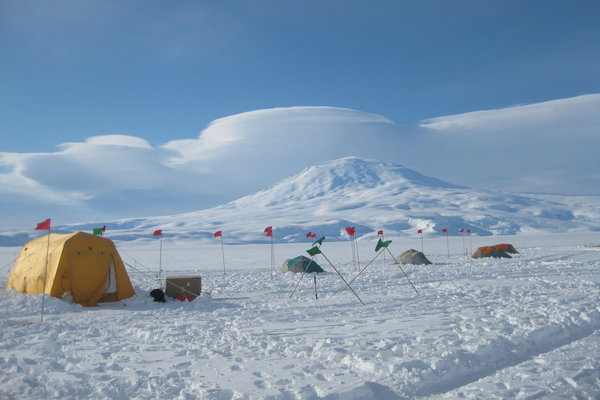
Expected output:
(524, 328)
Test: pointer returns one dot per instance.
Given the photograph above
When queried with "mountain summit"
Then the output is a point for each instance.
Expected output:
(344, 177)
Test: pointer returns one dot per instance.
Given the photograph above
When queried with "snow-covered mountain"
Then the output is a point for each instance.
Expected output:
(370, 195)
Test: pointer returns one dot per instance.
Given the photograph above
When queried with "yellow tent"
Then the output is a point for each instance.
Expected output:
(85, 266)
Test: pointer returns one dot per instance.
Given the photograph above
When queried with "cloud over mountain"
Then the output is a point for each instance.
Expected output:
(541, 147)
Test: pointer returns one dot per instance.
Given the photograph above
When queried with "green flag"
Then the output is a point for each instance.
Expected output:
(314, 251)
(97, 231)
(381, 244)
(320, 241)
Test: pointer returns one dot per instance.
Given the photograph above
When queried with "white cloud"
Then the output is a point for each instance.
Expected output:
(573, 111)
(544, 147)
(548, 147)
(269, 131)
(119, 140)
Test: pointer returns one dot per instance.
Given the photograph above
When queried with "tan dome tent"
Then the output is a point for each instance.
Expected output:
(413, 257)
(85, 266)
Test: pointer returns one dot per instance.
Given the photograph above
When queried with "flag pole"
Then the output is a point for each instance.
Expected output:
(422, 251)
(272, 256)
(470, 242)
(351, 230)
(357, 256)
(269, 231)
(353, 250)
(160, 260)
(223, 254)
(447, 243)
(45, 275)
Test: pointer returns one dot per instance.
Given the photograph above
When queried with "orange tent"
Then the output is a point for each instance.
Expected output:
(507, 248)
(490, 251)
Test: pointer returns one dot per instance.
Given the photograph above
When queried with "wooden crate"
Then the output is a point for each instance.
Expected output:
(183, 285)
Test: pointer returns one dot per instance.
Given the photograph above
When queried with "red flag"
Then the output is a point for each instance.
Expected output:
(445, 230)
(269, 230)
(158, 232)
(43, 226)
(468, 231)
(380, 232)
(313, 235)
(351, 230)
(309, 234)
(420, 231)
(218, 234)
(461, 230)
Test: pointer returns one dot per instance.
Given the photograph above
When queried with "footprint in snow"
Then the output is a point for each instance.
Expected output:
(259, 383)
(220, 394)
(182, 365)
(260, 374)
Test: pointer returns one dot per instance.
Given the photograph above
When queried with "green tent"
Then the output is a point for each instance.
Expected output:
(301, 264)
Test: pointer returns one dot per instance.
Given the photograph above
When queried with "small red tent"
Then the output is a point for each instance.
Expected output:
(497, 251)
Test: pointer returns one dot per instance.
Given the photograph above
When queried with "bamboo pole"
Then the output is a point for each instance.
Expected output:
(366, 266)
(272, 256)
(338, 272)
(223, 253)
(302, 276)
(401, 269)
(160, 260)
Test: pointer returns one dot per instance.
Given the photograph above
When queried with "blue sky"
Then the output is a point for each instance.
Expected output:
(163, 70)
(157, 83)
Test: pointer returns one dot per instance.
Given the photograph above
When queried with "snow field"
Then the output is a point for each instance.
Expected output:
(525, 328)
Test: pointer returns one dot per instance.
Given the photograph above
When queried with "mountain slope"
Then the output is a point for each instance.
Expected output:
(370, 195)
(342, 177)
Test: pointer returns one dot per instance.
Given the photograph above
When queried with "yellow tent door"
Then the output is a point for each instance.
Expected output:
(88, 273)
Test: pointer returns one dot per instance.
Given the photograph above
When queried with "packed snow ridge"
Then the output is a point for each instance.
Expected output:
(369, 195)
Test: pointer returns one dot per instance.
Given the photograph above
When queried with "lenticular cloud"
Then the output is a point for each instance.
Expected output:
(277, 133)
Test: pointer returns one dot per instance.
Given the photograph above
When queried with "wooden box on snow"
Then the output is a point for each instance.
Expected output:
(186, 285)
